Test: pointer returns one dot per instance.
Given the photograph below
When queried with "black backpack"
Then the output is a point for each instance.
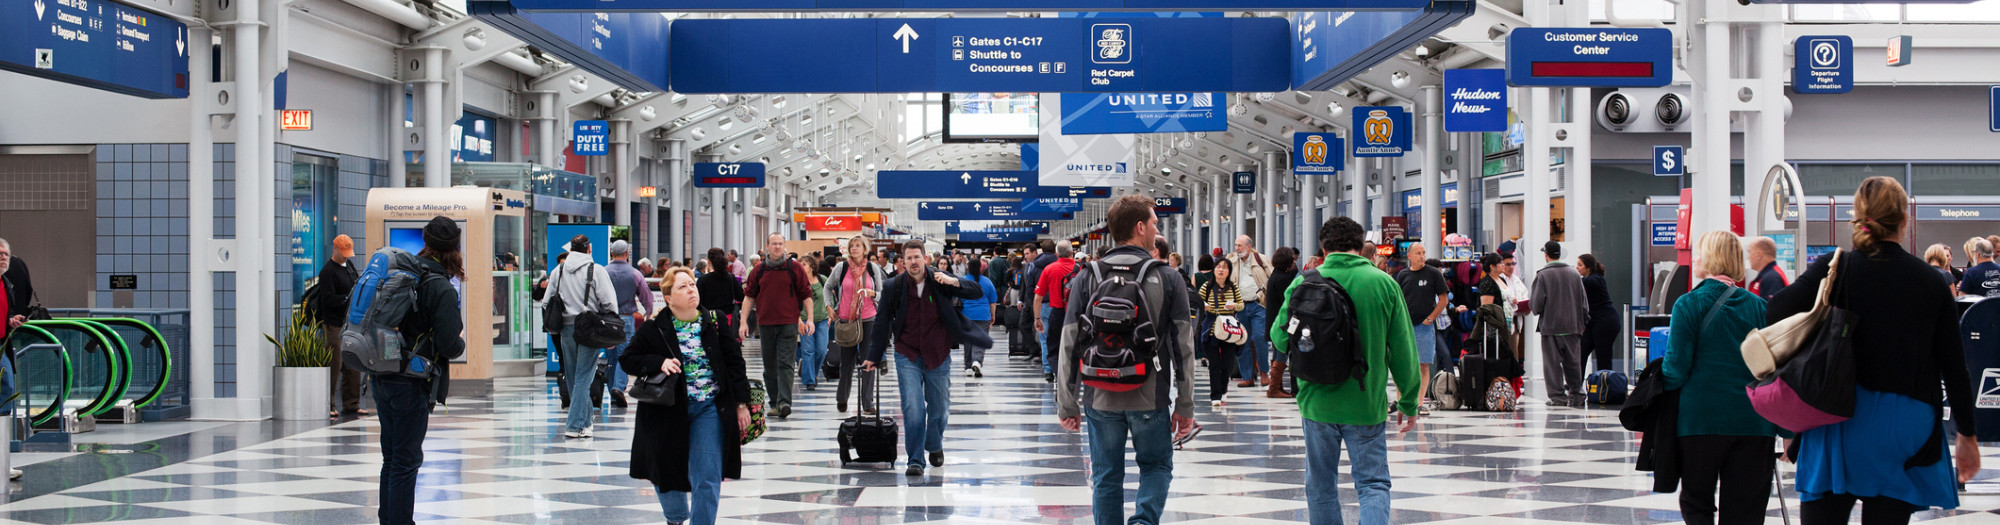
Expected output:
(1121, 345)
(1326, 346)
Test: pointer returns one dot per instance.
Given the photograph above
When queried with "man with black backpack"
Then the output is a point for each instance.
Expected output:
(1126, 333)
(432, 331)
(1345, 331)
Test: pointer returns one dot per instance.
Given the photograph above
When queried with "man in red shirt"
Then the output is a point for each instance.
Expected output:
(778, 291)
(1051, 287)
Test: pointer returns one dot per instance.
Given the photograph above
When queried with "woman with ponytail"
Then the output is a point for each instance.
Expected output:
(1892, 455)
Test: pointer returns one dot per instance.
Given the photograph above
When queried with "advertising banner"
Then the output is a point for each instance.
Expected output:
(1086, 114)
(1084, 160)
(1318, 154)
(833, 223)
(1475, 100)
(1381, 131)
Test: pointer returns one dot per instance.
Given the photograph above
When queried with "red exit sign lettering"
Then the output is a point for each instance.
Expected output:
(295, 119)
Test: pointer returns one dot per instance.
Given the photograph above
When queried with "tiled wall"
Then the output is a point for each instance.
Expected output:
(142, 222)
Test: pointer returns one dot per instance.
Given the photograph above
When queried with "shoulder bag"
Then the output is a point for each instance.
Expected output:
(1814, 387)
(1764, 350)
(846, 332)
(595, 328)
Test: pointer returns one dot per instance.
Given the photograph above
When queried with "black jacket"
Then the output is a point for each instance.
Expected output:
(438, 325)
(889, 313)
(720, 292)
(1656, 412)
(660, 434)
(336, 283)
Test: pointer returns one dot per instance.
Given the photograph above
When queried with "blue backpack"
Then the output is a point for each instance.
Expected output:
(386, 293)
(1606, 387)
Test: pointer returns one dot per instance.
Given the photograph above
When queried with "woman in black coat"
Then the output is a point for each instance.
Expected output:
(1284, 270)
(1600, 336)
(691, 446)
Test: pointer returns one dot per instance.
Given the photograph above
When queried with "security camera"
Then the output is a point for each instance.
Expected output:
(1616, 110)
(1670, 109)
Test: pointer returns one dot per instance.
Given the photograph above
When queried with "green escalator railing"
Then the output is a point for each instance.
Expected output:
(45, 377)
(99, 360)
(151, 362)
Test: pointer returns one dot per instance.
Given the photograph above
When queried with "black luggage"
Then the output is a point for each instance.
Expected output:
(1488, 357)
(868, 439)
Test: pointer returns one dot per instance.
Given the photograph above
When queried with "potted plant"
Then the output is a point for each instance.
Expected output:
(300, 390)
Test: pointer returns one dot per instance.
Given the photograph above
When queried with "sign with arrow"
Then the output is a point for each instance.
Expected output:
(912, 184)
(983, 211)
(100, 44)
(958, 227)
(906, 34)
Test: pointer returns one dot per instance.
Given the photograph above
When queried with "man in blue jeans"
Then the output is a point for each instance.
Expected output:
(1142, 412)
(1044, 255)
(1354, 411)
(916, 310)
(1252, 269)
(583, 286)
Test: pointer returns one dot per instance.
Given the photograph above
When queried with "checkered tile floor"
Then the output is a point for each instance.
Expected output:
(504, 460)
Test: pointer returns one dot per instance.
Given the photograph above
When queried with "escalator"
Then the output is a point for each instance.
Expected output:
(45, 375)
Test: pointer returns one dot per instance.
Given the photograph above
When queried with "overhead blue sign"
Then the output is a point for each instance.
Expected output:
(963, 5)
(100, 44)
(1663, 233)
(1087, 114)
(1669, 161)
(1164, 206)
(1993, 108)
(1824, 65)
(983, 211)
(1037, 227)
(1381, 131)
(1475, 100)
(996, 237)
(1057, 204)
(1328, 48)
(1243, 182)
(1590, 57)
(728, 174)
(1031, 157)
(593, 138)
(965, 55)
(629, 49)
(1318, 154)
(907, 184)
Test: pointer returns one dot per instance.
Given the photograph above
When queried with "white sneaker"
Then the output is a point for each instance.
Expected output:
(13, 473)
(978, 371)
(578, 434)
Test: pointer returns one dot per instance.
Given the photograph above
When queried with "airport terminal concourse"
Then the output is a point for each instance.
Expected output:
(851, 262)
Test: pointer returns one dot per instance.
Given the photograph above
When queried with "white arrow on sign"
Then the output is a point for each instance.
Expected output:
(965, 178)
(39, 8)
(180, 41)
(906, 34)
(924, 205)
(975, 206)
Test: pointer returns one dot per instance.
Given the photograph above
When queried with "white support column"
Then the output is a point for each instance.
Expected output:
(1578, 221)
(621, 159)
(718, 218)
(1764, 128)
(1215, 213)
(1431, 106)
(437, 139)
(1357, 176)
(252, 378)
(548, 137)
(1471, 167)
(1268, 214)
(392, 116)
(670, 180)
(1709, 64)
(201, 225)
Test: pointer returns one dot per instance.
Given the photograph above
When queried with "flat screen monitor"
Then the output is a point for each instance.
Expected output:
(409, 239)
(992, 118)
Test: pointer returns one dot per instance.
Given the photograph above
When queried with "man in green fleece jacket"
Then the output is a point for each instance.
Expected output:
(1355, 412)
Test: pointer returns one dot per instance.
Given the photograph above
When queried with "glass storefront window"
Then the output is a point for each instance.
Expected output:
(1953, 179)
(1841, 179)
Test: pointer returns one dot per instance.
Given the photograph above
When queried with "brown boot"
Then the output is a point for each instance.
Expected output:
(1275, 390)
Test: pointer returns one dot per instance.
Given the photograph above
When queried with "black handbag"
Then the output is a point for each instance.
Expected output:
(594, 328)
(553, 309)
(656, 390)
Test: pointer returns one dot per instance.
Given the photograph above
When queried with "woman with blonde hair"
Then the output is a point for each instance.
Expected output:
(1724, 443)
(687, 448)
(1891, 456)
(1939, 256)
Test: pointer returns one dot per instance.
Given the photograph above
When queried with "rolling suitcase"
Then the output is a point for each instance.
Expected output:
(868, 439)
(1476, 372)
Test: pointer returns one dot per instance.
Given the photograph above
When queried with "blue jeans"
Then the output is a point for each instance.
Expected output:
(926, 405)
(704, 469)
(579, 366)
(1049, 355)
(1367, 451)
(617, 372)
(7, 387)
(812, 353)
(1254, 359)
(1152, 441)
(405, 408)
